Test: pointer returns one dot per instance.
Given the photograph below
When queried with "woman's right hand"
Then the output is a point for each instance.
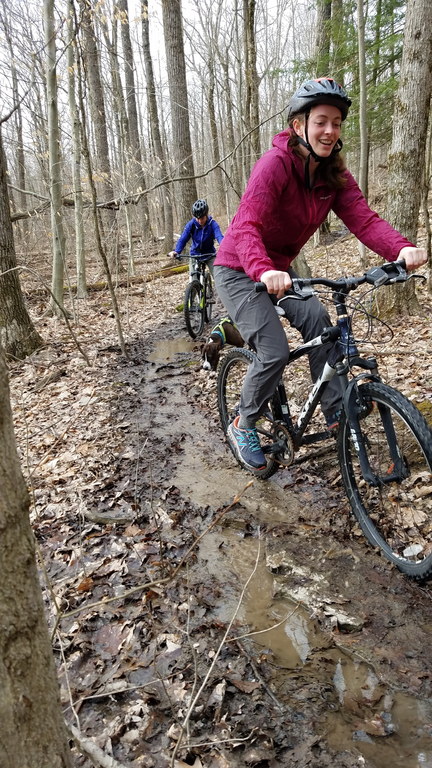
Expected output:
(173, 254)
(277, 282)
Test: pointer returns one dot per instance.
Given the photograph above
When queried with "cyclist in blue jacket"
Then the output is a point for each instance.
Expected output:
(203, 230)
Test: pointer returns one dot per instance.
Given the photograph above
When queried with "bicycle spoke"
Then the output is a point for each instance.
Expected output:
(395, 508)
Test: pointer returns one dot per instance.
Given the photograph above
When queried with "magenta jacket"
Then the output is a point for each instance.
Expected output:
(277, 215)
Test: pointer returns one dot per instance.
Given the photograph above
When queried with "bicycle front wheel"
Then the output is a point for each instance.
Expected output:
(231, 373)
(194, 308)
(394, 504)
(208, 298)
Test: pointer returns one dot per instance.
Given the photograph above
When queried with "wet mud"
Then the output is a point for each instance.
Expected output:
(343, 637)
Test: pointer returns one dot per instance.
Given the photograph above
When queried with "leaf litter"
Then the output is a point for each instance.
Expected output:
(132, 609)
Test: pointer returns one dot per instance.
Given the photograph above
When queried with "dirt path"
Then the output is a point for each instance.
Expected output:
(356, 616)
(274, 636)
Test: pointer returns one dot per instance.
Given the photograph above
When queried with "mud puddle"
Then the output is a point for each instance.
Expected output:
(166, 350)
(384, 726)
(317, 595)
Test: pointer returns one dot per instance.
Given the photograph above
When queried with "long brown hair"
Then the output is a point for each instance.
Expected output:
(331, 171)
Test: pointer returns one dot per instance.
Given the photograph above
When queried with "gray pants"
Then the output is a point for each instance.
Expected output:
(261, 328)
(209, 263)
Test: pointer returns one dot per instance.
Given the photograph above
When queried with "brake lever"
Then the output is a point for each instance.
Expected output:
(418, 277)
(378, 276)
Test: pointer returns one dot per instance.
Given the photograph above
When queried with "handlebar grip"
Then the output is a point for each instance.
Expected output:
(260, 287)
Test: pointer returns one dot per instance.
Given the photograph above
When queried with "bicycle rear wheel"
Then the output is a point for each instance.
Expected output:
(231, 373)
(194, 309)
(208, 298)
(395, 509)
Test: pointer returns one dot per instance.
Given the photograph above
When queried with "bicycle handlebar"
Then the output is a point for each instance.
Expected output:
(193, 255)
(384, 274)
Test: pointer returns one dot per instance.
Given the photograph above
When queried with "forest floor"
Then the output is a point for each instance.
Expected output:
(200, 619)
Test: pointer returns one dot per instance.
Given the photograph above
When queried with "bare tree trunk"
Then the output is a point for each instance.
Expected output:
(251, 108)
(155, 131)
(133, 139)
(76, 161)
(55, 163)
(17, 333)
(364, 151)
(234, 166)
(408, 150)
(322, 37)
(338, 39)
(98, 235)
(20, 158)
(182, 145)
(217, 173)
(122, 130)
(32, 730)
(102, 165)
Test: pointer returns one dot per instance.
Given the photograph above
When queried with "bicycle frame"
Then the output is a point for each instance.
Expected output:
(343, 356)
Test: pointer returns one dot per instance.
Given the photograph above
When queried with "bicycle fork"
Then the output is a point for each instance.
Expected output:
(398, 469)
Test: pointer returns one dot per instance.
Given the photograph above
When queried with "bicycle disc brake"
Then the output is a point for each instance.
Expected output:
(283, 445)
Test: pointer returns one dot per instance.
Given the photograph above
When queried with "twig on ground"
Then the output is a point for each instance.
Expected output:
(267, 629)
(157, 582)
(215, 658)
(87, 747)
(259, 677)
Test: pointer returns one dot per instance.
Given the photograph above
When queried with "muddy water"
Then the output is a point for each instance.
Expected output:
(386, 727)
(169, 348)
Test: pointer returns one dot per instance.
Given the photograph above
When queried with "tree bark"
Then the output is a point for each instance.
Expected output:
(182, 145)
(17, 333)
(322, 38)
(133, 147)
(408, 150)
(101, 164)
(55, 163)
(251, 105)
(76, 160)
(32, 730)
(155, 131)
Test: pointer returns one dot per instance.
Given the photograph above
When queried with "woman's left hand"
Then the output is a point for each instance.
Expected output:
(414, 257)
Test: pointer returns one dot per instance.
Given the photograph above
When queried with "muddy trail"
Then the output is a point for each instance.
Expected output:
(204, 619)
(334, 650)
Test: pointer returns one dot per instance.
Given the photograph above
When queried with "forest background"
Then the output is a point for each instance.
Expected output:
(114, 118)
(110, 104)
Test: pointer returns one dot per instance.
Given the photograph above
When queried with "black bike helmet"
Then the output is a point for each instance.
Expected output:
(324, 90)
(199, 208)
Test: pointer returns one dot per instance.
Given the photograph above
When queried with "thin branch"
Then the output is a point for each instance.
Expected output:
(156, 582)
(133, 199)
(216, 656)
(87, 747)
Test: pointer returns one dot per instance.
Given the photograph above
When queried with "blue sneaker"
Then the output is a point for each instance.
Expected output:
(246, 445)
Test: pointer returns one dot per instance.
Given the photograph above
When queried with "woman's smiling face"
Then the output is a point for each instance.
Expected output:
(323, 128)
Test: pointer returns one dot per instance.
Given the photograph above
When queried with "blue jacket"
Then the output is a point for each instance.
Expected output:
(202, 237)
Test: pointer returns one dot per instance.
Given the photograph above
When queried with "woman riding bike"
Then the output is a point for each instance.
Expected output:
(291, 190)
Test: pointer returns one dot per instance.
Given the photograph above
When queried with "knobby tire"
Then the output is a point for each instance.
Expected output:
(193, 309)
(396, 515)
(209, 298)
